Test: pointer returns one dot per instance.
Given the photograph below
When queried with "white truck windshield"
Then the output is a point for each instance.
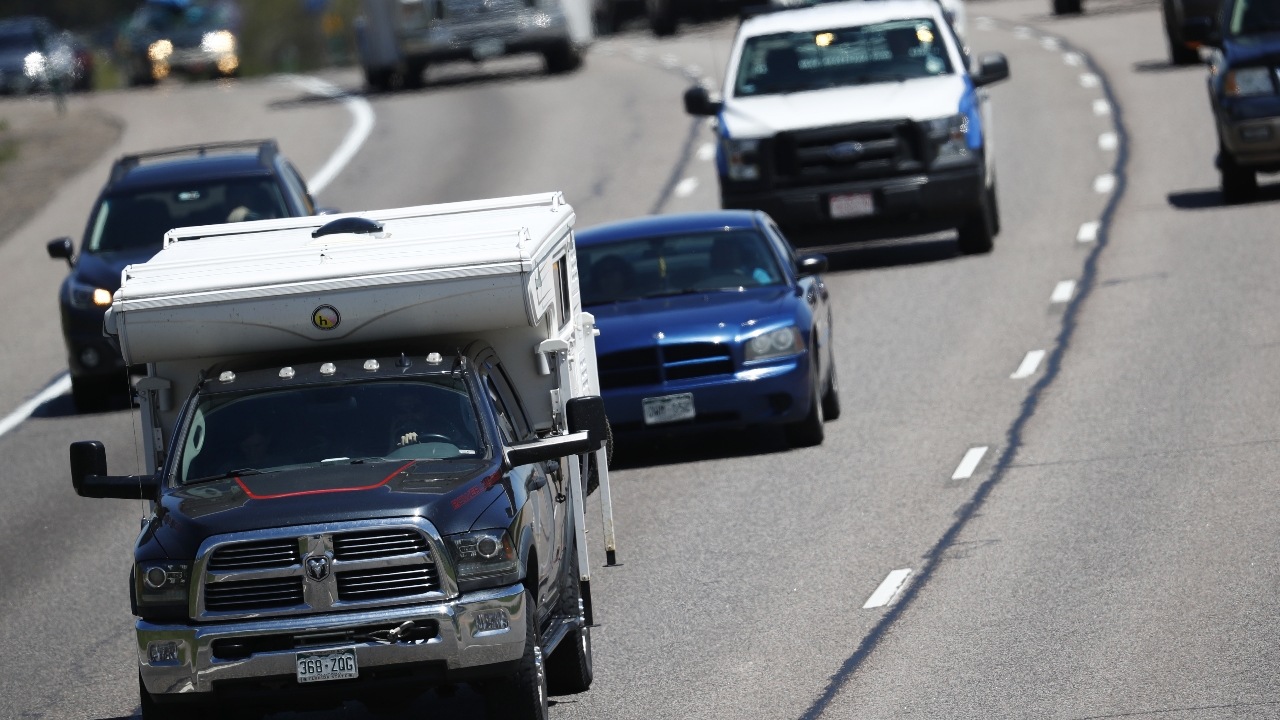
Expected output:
(799, 61)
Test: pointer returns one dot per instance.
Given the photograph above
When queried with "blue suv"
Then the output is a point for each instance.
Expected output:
(146, 196)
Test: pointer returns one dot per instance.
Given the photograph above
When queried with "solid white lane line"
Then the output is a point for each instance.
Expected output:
(1088, 231)
(1090, 80)
(1108, 141)
(1063, 291)
(888, 589)
(685, 187)
(1104, 183)
(1073, 59)
(969, 463)
(58, 387)
(1029, 365)
(707, 151)
(1101, 107)
(362, 114)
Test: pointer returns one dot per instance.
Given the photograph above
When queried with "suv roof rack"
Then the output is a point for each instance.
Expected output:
(267, 151)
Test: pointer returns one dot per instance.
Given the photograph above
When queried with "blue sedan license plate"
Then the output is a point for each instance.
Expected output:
(334, 664)
(668, 408)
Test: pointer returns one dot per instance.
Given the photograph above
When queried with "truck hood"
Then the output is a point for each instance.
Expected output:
(450, 493)
(918, 99)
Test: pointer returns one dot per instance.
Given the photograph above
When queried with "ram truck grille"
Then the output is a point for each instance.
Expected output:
(372, 544)
(255, 555)
(245, 595)
(389, 582)
(664, 363)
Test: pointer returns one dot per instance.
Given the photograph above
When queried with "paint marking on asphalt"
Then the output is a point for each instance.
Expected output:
(1063, 291)
(362, 114)
(969, 463)
(1101, 107)
(1029, 365)
(888, 589)
(1089, 80)
(1104, 183)
(60, 386)
(707, 151)
(693, 71)
(1108, 141)
(984, 23)
(685, 187)
(1021, 32)
(1074, 59)
(670, 62)
(1050, 43)
(1088, 231)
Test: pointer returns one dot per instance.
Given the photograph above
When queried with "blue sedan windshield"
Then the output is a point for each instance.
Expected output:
(676, 265)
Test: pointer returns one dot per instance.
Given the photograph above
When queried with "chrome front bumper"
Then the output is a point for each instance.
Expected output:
(457, 643)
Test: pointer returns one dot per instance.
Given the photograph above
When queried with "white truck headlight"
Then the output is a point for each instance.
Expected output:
(743, 158)
(774, 344)
(950, 137)
(1248, 81)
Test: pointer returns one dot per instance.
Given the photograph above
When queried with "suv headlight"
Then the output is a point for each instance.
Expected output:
(950, 138)
(484, 559)
(1248, 81)
(163, 582)
(774, 344)
(743, 158)
(87, 296)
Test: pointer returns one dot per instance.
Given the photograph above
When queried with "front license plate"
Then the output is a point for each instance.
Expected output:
(852, 205)
(319, 665)
(483, 49)
(668, 408)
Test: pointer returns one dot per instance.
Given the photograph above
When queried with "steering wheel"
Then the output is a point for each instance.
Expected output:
(436, 436)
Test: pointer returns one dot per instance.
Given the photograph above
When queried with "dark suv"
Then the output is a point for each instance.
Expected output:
(148, 195)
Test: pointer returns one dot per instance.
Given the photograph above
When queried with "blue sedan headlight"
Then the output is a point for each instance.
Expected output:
(774, 344)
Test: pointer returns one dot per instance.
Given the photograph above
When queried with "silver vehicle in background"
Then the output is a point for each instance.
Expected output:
(399, 38)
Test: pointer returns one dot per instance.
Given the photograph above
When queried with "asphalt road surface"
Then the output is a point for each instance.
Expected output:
(1111, 554)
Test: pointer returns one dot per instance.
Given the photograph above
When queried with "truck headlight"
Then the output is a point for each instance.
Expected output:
(218, 42)
(87, 296)
(774, 344)
(743, 158)
(160, 50)
(162, 582)
(950, 138)
(484, 559)
(1248, 81)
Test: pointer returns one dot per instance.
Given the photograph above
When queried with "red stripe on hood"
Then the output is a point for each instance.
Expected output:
(384, 481)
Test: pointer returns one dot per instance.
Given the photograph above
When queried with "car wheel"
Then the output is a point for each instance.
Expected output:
(831, 398)
(1066, 7)
(994, 203)
(415, 74)
(523, 695)
(808, 432)
(378, 79)
(569, 668)
(562, 58)
(607, 17)
(977, 234)
(662, 17)
(92, 395)
(1180, 54)
(1239, 184)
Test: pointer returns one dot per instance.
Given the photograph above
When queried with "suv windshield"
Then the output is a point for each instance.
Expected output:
(799, 61)
(1255, 17)
(140, 219)
(266, 430)
(676, 265)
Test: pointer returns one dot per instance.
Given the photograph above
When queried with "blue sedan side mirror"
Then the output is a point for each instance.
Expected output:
(807, 265)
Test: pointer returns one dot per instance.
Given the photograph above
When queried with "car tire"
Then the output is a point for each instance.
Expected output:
(522, 695)
(831, 398)
(1180, 54)
(662, 17)
(607, 17)
(1067, 7)
(977, 234)
(415, 74)
(1239, 184)
(569, 667)
(379, 79)
(562, 58)
(993, 202)
(151, 710)
(809, 432)
(92, 395)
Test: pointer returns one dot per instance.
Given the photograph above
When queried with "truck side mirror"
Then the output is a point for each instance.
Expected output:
(697, 101)
(807, 265)
(549, 448)
(62, 249)
(586, 414)
(90, 479)
(1199, 30)
(992, 68)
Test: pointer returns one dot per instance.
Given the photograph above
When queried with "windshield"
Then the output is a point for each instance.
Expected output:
(885, 52)
(675, 265)
(266, 430)
(140, 220)
(1255, 17)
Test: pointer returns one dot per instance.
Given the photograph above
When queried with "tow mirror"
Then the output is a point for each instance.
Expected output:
(62, 249)
(992, 68)
(586, 414)
(697, 101)
(807, 265)
(90, 479)
(549, 448)
(1198, 30)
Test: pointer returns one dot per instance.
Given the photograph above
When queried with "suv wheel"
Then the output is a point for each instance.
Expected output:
(808, 432)
(379, 79)
(569, 669)
(523, 695)
(662, 17)
(977, 234)
(92, 394)
(561, 58)
(1066, 7)
(1239, 184)
(831, 398)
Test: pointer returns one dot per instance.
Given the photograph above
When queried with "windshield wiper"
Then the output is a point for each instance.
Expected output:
(228, 474)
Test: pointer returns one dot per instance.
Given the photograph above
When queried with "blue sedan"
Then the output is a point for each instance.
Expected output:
(708, 320)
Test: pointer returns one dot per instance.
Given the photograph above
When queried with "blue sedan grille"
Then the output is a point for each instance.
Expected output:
(663, 363)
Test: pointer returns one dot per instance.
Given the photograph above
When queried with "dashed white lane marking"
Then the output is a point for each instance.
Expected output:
(1050, 43)
(1029, 365)
(1073, 59)
(1104, 183)
(888, 589)
(984, 23)
(707, 151)
(1022, 33)
(1088, 231)
(362, 114)
(685, 187)
(1063, 291)
(693, 71)
(969, 463)
(1101, 107)
(1108, 141)
(58, 387)
(670, 62)
(1090, 80)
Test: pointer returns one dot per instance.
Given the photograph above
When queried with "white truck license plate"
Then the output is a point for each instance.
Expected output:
(318, 665)
(852, 205)
(668, 408)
